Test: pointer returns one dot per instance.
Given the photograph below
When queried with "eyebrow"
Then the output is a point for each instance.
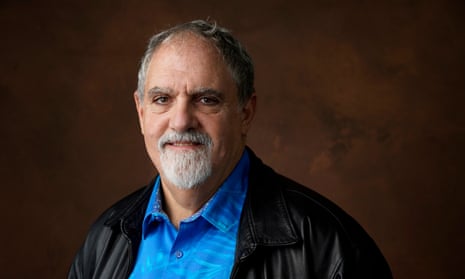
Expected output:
(197, 91)
(207, 90)
(157, 90)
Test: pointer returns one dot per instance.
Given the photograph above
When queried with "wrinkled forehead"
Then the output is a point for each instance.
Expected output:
(186, 61)
(189, 38)
(191, 47)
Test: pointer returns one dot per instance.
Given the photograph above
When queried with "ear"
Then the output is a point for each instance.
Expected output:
(248, 113)
(140, 111)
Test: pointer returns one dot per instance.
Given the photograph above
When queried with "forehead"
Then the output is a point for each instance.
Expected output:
(190, 46)
(188, 57)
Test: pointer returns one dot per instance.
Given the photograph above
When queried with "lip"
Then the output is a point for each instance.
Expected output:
(183, 145)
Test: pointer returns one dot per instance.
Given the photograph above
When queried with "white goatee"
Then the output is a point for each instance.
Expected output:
(186, 169)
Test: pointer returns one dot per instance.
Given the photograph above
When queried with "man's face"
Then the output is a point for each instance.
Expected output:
(189, 89)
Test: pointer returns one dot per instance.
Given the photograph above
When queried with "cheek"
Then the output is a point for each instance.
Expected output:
(225, 134)
(152, 133)
(153, 126)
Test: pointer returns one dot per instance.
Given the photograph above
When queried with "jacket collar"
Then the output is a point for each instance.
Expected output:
(128, 219)
(265, 220)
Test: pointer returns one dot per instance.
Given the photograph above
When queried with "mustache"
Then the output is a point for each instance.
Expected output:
(189, 136)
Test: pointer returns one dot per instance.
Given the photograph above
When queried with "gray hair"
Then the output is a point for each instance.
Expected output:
(237, 59)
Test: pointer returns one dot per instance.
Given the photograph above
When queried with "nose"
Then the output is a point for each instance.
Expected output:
(182, 116)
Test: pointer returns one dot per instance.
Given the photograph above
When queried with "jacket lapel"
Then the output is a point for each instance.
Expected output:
(265, 218)
(129, 220)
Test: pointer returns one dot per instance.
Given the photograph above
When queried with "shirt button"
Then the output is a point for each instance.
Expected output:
(179, 254)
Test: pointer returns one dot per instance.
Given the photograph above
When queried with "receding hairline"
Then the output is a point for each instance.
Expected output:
(182, 35)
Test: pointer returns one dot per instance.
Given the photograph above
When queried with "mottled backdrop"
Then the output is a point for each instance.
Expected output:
(363, 102)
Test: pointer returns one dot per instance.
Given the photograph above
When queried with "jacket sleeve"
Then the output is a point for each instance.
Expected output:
(75, 271)
(88, 258)
(84, 263)
(367, 263)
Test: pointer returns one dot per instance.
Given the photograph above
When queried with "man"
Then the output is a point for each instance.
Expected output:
(215, 210)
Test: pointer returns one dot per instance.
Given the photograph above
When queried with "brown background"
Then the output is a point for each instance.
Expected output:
(362, 101)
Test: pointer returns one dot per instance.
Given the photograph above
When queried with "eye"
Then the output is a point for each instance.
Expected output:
(161, 100)
(208, 100)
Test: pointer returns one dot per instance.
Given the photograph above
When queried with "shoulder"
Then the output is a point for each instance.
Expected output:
(126, 206)
(306, 207)
(305, 203)
(301, 202)
(106, 234)
(111, 218)
(118, 210)
(325, 230)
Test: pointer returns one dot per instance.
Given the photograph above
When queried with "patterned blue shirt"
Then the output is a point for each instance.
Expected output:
(204, 246)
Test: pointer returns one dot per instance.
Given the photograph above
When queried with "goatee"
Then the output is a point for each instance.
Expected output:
(186, 169)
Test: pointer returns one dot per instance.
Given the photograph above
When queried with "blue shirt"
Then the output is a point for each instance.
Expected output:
(204, 246)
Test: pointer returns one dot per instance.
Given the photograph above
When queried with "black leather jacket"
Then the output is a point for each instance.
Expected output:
(286, 231)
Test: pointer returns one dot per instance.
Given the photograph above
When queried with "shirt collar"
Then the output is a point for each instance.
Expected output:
(223, 210)
(154, 210)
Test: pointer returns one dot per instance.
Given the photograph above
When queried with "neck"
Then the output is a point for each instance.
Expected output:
(180, 204)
